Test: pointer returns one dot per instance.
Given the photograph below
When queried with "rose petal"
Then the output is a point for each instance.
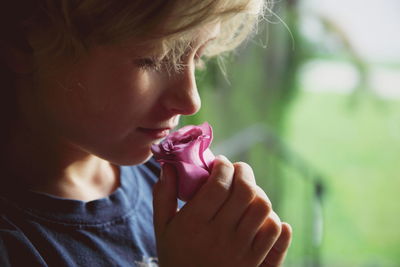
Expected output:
(190, 179)
(191, 154)
(161, 153)
(156, 149)
(206, 130)
(189, 130)
(208, 159)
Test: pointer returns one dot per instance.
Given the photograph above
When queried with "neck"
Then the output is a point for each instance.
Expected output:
(54, 166)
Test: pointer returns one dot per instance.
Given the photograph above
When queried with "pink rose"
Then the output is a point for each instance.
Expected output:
(187, 149)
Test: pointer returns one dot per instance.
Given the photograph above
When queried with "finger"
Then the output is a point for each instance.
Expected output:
(277, 254)
(266, 237)
(261, 193)
(214, 192)
(244, 190)
(252, 220)
(165, 198)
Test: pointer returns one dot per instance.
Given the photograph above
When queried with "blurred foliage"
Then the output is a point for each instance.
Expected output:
(358, 151)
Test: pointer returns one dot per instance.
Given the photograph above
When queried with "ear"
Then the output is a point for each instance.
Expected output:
(17, 60)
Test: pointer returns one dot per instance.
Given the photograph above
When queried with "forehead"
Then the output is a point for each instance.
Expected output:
(192, 39)
(178, 43)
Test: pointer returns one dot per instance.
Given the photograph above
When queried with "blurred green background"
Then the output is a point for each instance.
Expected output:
(312, 102)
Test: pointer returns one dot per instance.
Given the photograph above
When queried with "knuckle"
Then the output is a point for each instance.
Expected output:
(222, 176)
(224, 165)
(243, 171)
(244, 191)
(222, 185)
(275, 224)
(259, 209)
(288, 229)
(263, 195)
(263, 206)
(242, 165)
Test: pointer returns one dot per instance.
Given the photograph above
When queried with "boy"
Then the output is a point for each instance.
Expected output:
(88, 87)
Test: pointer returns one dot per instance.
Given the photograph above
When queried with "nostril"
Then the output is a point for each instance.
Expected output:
(195, 105)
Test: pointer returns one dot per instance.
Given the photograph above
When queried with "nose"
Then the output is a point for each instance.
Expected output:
(182, 96)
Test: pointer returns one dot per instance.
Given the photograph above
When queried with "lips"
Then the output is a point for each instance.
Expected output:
(155, 133)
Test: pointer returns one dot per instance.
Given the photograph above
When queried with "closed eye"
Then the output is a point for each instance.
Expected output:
(148, 63)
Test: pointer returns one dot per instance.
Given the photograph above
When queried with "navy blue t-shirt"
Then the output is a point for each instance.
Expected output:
(38, 229)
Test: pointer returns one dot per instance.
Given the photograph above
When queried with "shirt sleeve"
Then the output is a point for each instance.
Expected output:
(15, 248)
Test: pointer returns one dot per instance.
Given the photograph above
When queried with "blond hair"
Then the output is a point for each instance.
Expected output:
(64, 29)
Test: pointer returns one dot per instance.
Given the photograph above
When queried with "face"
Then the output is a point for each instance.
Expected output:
(114, 104)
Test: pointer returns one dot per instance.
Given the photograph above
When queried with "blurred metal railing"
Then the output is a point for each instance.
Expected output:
(240, 143)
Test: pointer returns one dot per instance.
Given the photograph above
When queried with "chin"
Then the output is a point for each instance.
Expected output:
(139, 157)
(145, 159)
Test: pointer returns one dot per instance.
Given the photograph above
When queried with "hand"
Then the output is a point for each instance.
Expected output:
(229, 222)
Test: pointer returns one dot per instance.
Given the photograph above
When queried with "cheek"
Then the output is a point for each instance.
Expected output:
(122, 99)
(105, 88)
(107, 108)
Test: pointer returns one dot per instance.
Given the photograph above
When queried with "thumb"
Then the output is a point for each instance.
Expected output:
(165, 198)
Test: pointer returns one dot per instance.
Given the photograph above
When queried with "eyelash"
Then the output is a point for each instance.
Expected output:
(148, 64)
(155, 65)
